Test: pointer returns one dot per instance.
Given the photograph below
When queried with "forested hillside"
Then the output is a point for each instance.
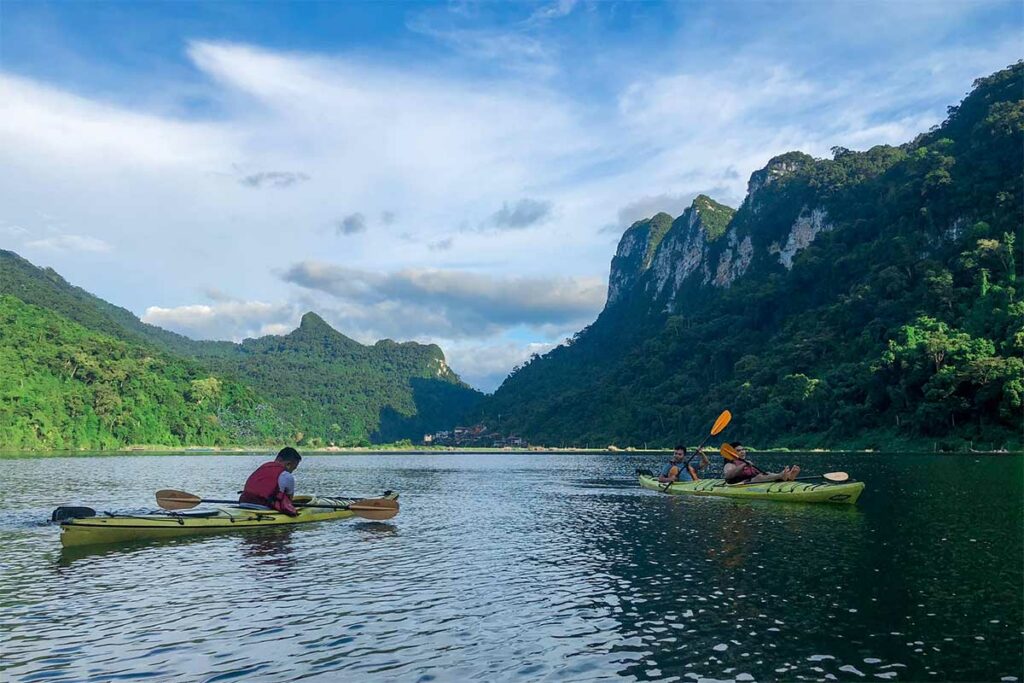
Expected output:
(313, 387)
(871, 299)
(64, 386)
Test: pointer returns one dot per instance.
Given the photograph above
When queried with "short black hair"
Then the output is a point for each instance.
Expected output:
(735, 444)
(681, 448)
(289, 454)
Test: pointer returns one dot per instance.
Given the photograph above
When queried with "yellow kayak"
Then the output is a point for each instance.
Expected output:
(115, 528)
(791, 491)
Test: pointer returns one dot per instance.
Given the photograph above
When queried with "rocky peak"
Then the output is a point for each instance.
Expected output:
(777, 168)
(635, 252)
(314, 329)
(311, 322)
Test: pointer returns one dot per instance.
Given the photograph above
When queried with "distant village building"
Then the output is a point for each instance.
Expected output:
(474, 436)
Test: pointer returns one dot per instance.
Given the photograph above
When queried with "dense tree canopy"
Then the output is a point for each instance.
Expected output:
(901, 324)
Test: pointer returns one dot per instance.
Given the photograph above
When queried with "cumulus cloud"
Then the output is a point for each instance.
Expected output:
(70, 243)
(521, 214)
(14, 231)
(441, 245)
(226, 319)
(454, 303)
(387, 217)
(273, 179)
(485, 365)
(352, 224)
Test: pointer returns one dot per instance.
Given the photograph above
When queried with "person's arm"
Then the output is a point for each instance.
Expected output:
(731, 469)
(673, 474)
(286, 483)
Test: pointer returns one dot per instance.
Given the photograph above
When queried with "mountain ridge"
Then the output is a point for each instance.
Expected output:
(812, 312)
(326, 386)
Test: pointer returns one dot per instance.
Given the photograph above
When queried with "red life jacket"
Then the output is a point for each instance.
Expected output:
(261, 488)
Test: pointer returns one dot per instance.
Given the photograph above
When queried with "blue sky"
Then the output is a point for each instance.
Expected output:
(447, 172)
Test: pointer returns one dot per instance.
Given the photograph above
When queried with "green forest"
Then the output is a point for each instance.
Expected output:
(64, 386)
(79, 373)
(901, 326)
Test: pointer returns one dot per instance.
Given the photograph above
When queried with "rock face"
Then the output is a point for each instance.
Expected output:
(805, 228)
(656, 256)
(633, 257)
(713, 245)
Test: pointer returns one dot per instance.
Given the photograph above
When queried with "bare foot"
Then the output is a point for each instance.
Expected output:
(794, 472)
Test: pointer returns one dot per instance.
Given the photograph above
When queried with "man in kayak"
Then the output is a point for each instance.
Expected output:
(741, 471)
(677, 469)
(272, 484)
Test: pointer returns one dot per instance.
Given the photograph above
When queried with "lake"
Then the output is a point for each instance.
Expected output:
(523, 567)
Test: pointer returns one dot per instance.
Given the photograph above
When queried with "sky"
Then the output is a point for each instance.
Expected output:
(457, 173)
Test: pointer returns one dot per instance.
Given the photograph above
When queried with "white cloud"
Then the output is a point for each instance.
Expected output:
(76, 243)
(225, 319)
(14, 231)
(450, 303)
(485, 365)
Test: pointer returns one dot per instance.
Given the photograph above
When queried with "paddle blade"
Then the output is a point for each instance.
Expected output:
(721, 423)
(377, 509)
(728, 452)
(169, 499)
(836, 477)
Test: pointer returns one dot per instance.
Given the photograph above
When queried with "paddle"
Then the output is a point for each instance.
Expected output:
(721, 423)
(367, 508)
(730, 453)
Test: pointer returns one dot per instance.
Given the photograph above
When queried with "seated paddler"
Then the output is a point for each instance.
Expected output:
(679, 467)
(273, 484)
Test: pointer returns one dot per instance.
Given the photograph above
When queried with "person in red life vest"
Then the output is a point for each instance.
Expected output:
(742, 471)
(272, 484)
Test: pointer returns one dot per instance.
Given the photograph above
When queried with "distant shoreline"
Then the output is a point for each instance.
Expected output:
(415, 450)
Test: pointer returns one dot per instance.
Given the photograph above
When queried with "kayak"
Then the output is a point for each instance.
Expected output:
(115, 528)
(790, 491)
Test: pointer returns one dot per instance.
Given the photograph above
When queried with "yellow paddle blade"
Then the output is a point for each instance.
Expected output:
(721, 423)
(169, 499)
(375, 508)
(836, 476)
(728, 452)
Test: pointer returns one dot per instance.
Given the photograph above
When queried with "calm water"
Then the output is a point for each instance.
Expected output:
(523, 567)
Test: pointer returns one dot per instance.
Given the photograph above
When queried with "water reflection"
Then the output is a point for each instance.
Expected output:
(272, 546)
(522, 567)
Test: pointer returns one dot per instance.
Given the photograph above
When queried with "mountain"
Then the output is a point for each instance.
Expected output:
(342, 391)
(64, 386)
(866, 300)
(320, 386)
(45, 288)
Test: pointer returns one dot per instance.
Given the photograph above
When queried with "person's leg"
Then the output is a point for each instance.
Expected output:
(768, 476)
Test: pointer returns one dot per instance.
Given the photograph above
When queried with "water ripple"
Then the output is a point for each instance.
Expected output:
(507, 567)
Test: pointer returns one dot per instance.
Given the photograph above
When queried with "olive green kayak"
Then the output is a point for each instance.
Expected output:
(791, 491)
(117, 528)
